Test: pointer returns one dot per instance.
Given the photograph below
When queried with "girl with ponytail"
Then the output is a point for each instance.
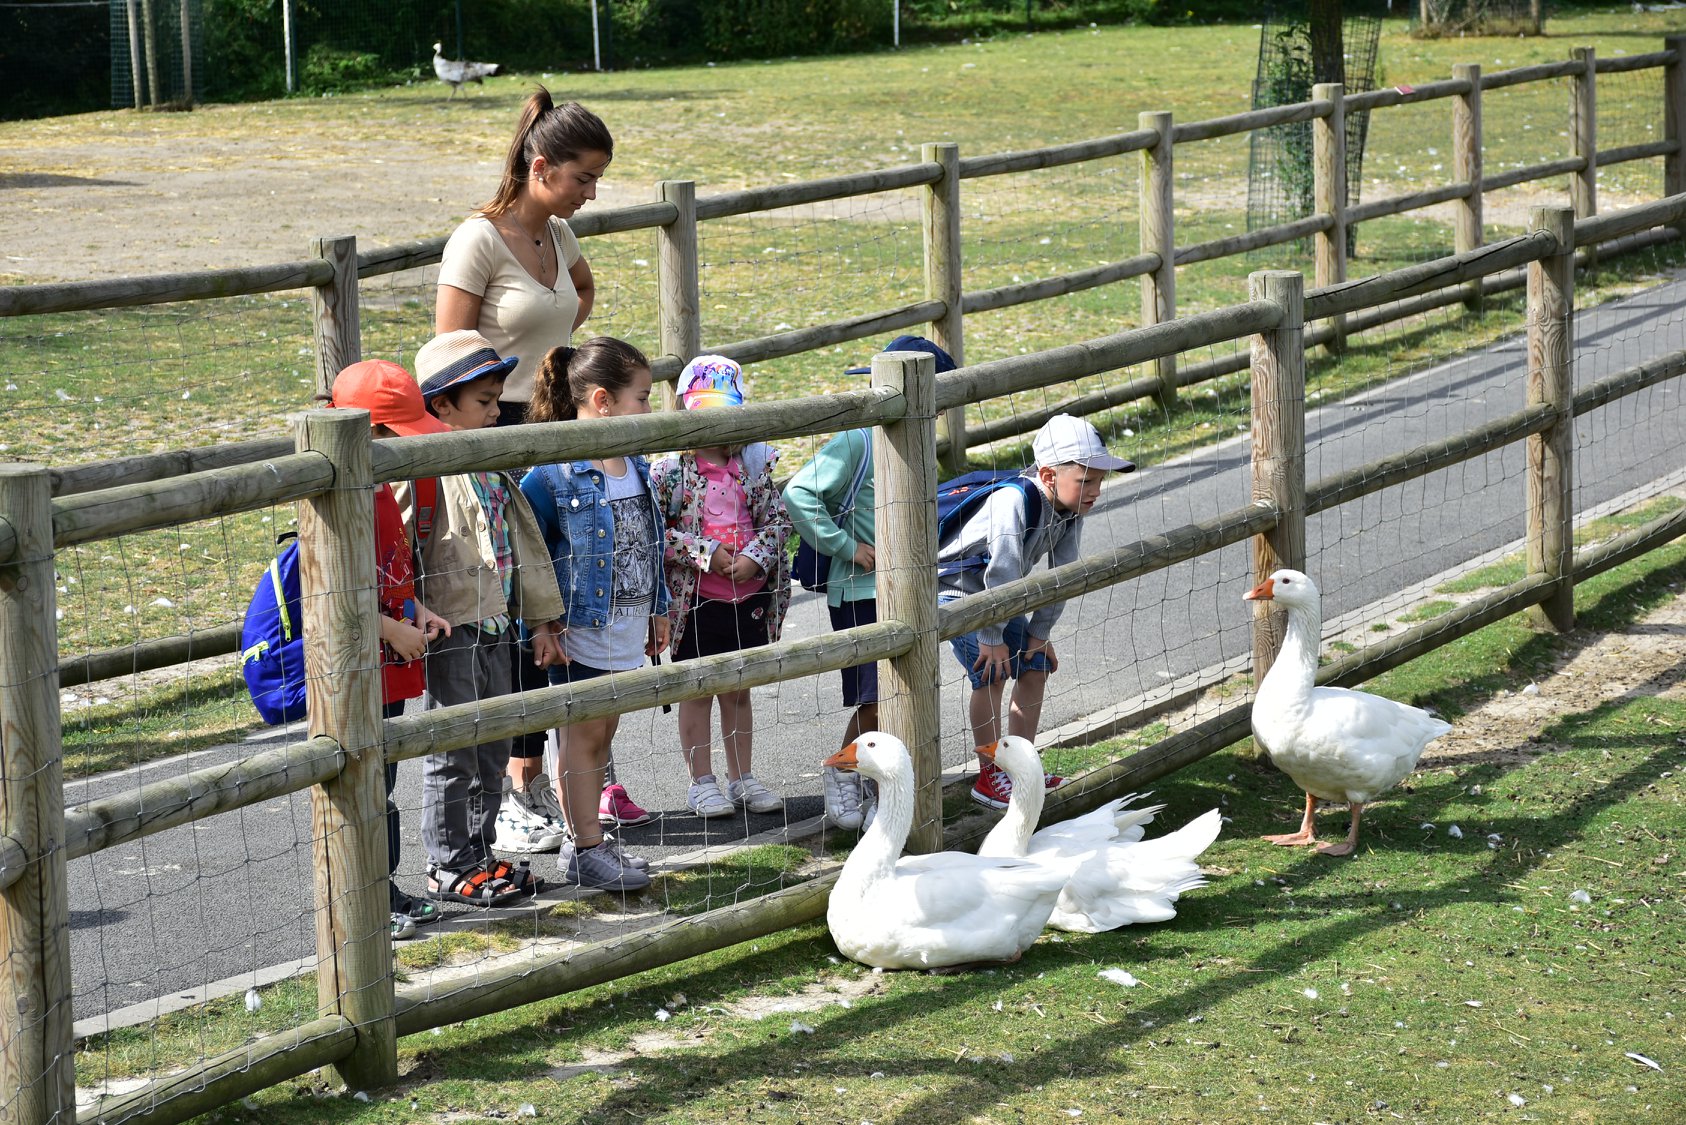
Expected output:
(513, 270)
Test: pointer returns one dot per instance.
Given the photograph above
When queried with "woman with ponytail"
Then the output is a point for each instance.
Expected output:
(513, 270)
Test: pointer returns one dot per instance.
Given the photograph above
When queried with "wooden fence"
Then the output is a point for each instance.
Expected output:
(334, 465)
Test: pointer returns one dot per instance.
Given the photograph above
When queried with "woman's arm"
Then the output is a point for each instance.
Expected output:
(457, 308)
(584, 285)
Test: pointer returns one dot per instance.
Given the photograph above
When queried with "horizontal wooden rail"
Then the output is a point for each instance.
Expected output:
(631, 216)
(1372, 660)
(1253, 240)
(508, 447)
(1623, 383)
(1266, 118)
(230, 1076)
(173, 801)
(1400, 95)
(1600, 557)
(1054, 156)
(481, 990)
(1393, 205)
(1397, 468)
(158, 289)
(96, 475)
(759, 349)
(1625, 153)
(1106, 353)
(815, 191)
(1024, 292)
(144, 656)
(1370, 292)
(400, 256)
(1093, 572)
(1538, 72)
(453, 728)
(1629, 220)
(1500, 180)
(1615, 64)
(1029, 421)
(111, 512)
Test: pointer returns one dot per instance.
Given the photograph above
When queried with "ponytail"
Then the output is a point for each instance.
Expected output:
(567, 376)
(559, 133)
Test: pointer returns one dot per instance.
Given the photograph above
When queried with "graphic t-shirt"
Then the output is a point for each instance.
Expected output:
(619, 647)
(726, 519)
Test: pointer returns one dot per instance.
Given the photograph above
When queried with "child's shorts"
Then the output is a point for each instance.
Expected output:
(1015, 636)
(713, 627)
(860, 683)
(573, 673)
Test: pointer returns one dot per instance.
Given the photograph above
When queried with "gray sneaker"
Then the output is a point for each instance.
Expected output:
(706, 800)
(843, 798)
(754, 796)
(627, 858)
(599, 867)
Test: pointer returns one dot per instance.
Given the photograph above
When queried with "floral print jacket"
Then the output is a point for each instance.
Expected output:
(679, 487)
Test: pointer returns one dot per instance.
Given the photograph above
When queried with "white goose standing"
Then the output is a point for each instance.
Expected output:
(1334, 743)
(1120, 879)
(456, 72)
(928, 911)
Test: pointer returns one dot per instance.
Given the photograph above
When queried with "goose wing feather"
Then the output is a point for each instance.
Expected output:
(1121, 884)
(1346, 745)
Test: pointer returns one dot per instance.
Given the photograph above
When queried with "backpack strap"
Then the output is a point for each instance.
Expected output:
(427, 501)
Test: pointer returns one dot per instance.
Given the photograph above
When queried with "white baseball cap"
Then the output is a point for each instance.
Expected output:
(1066, 440)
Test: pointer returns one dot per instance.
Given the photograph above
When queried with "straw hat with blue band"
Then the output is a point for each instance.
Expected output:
(451, 359)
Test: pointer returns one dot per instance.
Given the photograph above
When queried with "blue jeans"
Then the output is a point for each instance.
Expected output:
(1016, 636)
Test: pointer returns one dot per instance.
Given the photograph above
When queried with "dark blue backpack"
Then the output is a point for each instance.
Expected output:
(272, 637)
(272, 641)
(957, 499)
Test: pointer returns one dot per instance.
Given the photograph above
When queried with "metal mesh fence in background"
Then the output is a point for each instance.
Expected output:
(157, 53)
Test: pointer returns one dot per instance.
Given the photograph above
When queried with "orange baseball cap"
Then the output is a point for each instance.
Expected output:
(390, 395)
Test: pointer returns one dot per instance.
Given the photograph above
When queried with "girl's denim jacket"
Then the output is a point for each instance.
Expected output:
(573, 513)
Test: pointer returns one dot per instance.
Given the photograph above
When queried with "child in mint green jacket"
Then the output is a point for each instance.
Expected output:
(840, 528)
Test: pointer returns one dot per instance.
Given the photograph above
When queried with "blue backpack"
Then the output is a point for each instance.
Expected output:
(957, 499)
(272, 638)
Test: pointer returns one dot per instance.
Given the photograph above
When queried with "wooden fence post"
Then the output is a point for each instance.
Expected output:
(1550, 453)
(941, 226)
(334, 313)
(1278, 448)
(1674, 116)
(1158, 235)
(1328, 138)
(679, 300)
(1469, 213)
(905, 467)
(1583, 135)
(343, 685)
(37, 1054)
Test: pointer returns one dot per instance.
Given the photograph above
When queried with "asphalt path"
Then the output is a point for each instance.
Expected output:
(229, 899)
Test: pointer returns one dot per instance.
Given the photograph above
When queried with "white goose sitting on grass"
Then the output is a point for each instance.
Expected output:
(1120, 879)
(943, 910)
(1334, 743)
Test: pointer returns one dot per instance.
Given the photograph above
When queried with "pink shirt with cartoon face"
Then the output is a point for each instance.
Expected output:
(725, 518)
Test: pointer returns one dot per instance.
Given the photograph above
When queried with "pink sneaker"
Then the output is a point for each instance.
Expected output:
(617, 808)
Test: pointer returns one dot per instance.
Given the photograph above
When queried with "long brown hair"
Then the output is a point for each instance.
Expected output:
(559, 133)
(567, 375)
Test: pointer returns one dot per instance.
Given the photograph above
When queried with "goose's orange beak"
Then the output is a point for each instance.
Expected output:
(988, 751)
(844, 759)
(1263, 592)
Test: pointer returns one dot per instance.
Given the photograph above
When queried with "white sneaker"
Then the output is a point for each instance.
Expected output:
(842, 798)
(706, 800)
(539, 796)
(869, 802)
(522, 826)
(754, 796)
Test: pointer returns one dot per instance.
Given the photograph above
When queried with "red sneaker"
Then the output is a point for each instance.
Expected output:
(617, 808)
(994, 788)
(1052, 781)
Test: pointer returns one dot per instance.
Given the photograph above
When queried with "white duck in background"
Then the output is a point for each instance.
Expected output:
(1334, 743)
(928, 911)
(1120, 879)
(457, 73)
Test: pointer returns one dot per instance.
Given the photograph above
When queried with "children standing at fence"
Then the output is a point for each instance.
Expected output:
(999, 542)
(727, 567)
(395, 409)
(603, 531)
(485, 570)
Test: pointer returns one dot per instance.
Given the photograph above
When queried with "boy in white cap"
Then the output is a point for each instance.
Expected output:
(1039, 515)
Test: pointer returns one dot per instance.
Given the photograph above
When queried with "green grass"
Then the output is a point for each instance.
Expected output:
(1513, 568)
(1428, 978)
